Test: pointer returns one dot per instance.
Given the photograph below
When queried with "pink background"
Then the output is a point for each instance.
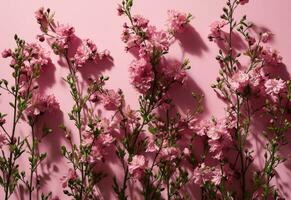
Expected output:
(98, 20)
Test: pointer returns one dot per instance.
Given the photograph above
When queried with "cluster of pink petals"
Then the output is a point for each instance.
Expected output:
(33, 55)
(41, 104)
(61, 34)
(42, 19)
(37, 55)
(6, 53)
(203, 174)
(88, 51)
(219, 134)
(152, 38)
(220, 137)
(169, 153)
(139, 21)
(271, 56)
(60, 42)
(177, 21)
(111, 100)
(72, 175)
(216, 32)
(242, 80)
(266, 36)
(273, 88)
(158, 39)
(3, 140)
(99, 150)
(137, 166)
(141, 75)
(34, 59)
(172, 71)
(152, 147)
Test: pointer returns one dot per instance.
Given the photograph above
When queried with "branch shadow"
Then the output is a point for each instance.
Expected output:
(191, 42)
(47, 77)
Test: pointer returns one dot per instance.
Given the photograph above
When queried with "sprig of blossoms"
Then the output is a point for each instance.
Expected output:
(152, 74)
(93, 140)
(247, 90)
(27, 62)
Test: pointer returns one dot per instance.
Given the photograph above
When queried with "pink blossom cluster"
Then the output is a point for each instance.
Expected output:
(271, 56)
(219, 135)
(150, 42)
(41, 104)
(275, 87)
(99, 145)
(177, 20)
(72, 175)
(88, 51)
(111, 100)
(216, 32)
(3, 139)
(34, 59)
(247, 82)
(141, 75)
(204, 173)
(137, 166)
(59, 34)
(63, 35)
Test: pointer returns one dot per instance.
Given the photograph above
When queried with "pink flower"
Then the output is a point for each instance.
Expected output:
(266, 37)
(158, 39)
(169, 153)
(137, 165)
(139, 21)
(203, 174)
(172, 71)
(110, 100)
(87, 51)
(242, 2)
(60, 42)
(97, 154)
(271, 56)
(141, 75)
(120, 10)
(71, 176)
(216, 32)
(3, 140)
(42, 19)
(177, 20)
(274, 87)
(38, 55)
(239, 81)
(219, 135)
(216, 176)
(199, 128)
(41, 104)
(65, 31)
(186, 151)
(131, 114)
(106, 139)
(152, 147)
(6, 53)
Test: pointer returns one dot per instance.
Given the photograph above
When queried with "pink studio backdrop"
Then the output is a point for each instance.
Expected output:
(98, 21)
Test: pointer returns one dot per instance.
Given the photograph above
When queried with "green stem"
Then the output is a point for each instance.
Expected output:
(79, 110)
(32, 167)
(10, 164)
